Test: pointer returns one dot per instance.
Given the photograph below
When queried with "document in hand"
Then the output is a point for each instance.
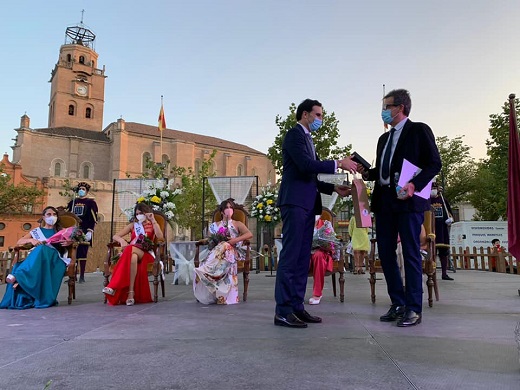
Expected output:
(408, 172)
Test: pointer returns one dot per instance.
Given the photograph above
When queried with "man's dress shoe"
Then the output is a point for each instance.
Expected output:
(306, 317)
(446, 277)
(291, 321)
(393, 314)
(410, 318)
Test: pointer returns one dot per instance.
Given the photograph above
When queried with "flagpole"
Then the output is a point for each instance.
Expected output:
(161, 131)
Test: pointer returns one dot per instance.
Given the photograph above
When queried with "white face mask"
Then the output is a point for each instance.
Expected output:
(51, 220)
(141, 217)
(434, 193)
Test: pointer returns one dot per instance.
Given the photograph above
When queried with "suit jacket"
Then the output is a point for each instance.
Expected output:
(417, 145)
(300, 185)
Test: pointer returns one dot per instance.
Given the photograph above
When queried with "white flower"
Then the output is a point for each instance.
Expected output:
(164, 194)
(169, 214)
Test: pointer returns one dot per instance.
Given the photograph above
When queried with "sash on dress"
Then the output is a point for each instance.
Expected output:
(37, 234)
(138, 230)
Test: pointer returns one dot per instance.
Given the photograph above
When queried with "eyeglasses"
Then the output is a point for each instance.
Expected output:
(385, 107)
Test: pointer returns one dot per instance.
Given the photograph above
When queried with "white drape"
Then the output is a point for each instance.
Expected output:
(231, 187)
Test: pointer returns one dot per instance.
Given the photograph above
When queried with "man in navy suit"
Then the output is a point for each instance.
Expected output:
(299, 200)
(403, 214)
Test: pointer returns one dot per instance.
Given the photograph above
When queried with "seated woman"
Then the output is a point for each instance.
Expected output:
(35, 282)
(216, 278)
(323, 254)
(129, 282)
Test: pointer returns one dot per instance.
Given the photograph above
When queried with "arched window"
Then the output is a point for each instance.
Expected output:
(253, 172)
(213, 168)
(166, 164)
(71, 109)
(93, 64)
(240, 170)
(146, 158)
(69, 58)
(57, 169)
(88, 112)
(86, 171)
(81, 59)
(197, 166)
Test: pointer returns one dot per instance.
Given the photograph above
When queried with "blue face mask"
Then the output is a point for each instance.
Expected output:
(315, 125)
(386, 115)
(82, 193)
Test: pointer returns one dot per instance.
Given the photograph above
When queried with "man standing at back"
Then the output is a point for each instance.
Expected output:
(402, 215)
(299, 200)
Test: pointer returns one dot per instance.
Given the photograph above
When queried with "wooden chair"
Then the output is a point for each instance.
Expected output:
(244, 266)
(66, 220)
(428, 264)
(155, 268)
(337, 266)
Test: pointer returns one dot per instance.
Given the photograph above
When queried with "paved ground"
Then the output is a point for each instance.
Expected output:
(466, 341)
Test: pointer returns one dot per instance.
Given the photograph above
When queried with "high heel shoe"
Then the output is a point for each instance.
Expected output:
(314, 301)
(130, 301)
(108, 291)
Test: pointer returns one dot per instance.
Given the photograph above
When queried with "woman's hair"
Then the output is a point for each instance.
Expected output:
(143, 208)
(57, 225)
(223, 205)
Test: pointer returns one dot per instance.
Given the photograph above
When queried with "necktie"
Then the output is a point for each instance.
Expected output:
(309, 138)
(385, 171)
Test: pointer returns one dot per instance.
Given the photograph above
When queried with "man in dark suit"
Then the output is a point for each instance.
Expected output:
(402, 213)
(299, 200)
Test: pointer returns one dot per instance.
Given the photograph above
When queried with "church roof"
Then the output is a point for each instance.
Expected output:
(212, 142)
(73, 132)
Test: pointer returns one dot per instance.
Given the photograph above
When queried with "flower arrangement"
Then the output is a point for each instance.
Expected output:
(161, 197)
(72, 233)
(325, 239)
(264, 207)
(214, 239)
(144, 243)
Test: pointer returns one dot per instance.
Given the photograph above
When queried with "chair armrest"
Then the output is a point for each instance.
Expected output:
(204, 241)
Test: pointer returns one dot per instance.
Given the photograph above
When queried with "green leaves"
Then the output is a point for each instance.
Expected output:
(17, 199)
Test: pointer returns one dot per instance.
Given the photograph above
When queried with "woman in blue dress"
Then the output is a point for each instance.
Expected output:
(35, 282)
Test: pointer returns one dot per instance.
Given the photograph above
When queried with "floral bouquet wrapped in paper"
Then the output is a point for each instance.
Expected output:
(72, 233)
(144, 243)
(222, 234)
(325, 239)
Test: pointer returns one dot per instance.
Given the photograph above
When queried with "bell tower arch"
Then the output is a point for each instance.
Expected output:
(77, 84)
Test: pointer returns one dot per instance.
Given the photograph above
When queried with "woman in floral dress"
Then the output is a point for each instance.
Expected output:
(216, 279)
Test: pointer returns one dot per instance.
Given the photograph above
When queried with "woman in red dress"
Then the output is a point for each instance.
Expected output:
(129, 282)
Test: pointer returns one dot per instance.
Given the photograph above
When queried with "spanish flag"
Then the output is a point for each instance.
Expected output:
(162, 120)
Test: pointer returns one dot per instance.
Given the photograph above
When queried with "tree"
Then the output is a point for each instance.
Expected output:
(17, 199)
(190, 201)
(325, 139)
(458, 169)
(490, 195)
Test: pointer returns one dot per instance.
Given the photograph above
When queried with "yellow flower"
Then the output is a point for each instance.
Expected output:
(267, 218)
(269, 201)
(155, 199)
(260, 206)
(141, 199)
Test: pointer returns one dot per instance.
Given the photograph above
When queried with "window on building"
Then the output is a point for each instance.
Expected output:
(240, 170)
(2, 226)
(86, 171)
(197, 166)
(2, 240)
(81, 59)
(27, 226)
(253, 172)
(71, 109)
(57, 169)
(146, 158)
(88, 112)
(166, 164)
(93, 64)
(69, 58)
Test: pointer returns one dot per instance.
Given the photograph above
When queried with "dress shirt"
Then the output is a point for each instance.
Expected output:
(397, 133)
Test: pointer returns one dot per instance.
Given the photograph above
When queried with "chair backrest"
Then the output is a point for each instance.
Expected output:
(239, 214)
(161, 221)
(68, 219)
(327, 215)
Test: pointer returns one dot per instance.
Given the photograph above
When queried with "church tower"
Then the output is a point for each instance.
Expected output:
(77, 85)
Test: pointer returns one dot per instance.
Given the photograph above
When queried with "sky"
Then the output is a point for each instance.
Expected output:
(227, 68)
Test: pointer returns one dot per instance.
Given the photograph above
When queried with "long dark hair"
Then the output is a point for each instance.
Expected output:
(143, 208)
(57, 225)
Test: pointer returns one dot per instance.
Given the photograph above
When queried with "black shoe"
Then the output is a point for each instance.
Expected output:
(393, 314)
(446, 277)
(306, 317)
(410, 318)
(291, 321)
